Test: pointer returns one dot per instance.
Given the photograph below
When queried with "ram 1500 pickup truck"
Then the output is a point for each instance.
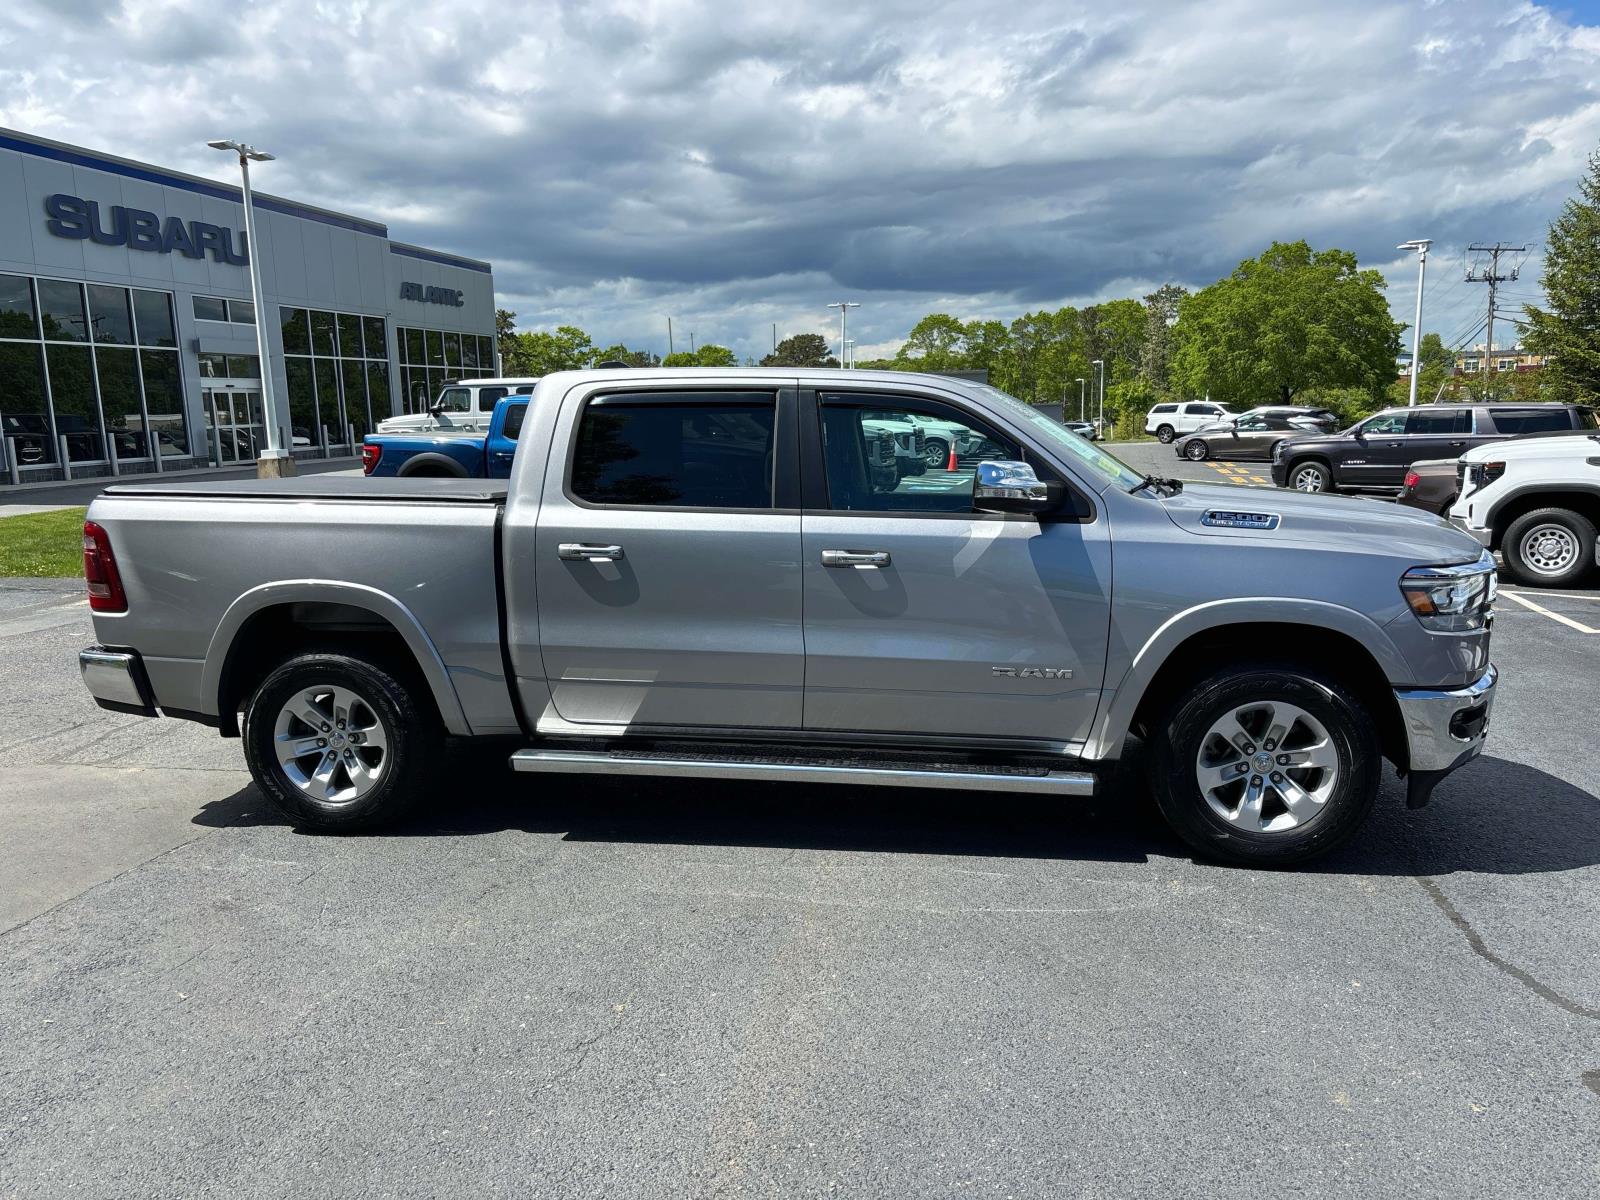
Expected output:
(488, 455)
(705, 574)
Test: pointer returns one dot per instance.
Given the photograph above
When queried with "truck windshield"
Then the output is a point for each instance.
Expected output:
(1107, 466)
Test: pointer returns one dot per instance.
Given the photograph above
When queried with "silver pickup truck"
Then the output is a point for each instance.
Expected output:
(699, 573)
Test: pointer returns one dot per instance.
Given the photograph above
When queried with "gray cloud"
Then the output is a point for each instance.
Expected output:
(737, 165)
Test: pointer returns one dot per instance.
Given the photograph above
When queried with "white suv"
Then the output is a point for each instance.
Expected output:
(1167, 421)
(1537, 501)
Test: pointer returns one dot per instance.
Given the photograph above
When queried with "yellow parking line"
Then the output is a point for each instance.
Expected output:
(1543, 611)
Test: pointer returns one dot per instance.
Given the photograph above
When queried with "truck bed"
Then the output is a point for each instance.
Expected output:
(324, 487)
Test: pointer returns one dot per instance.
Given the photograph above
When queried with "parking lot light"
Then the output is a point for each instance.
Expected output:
(276, 461)
(1420, 245)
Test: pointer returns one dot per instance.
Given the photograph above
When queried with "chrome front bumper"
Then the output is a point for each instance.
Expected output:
(1482, 536)
(1446, 727)
(116, 679)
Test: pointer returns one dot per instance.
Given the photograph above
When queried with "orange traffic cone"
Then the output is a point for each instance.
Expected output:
(951, 465)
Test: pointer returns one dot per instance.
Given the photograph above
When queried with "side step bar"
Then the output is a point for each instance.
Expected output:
(960, 776)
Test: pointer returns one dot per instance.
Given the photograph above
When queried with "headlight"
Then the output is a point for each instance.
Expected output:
(1277, 450)
(1452, 599)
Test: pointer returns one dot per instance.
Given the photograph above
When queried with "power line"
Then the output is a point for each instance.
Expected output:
(1490, 274)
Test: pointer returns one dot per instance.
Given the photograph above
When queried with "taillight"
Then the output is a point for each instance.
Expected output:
(100, 569)
(1412, 479)
(371, 452)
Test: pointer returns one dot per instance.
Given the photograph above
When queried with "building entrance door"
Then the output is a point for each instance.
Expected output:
(234, 428)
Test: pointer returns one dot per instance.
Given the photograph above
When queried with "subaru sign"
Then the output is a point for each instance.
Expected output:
(138, 229)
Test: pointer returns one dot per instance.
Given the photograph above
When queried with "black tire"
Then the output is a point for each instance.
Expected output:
(1310, 467)
(1178, 746)
(1165, 434)
(1197, 451)
(411, 729)
(935, 454)
(1520, 545)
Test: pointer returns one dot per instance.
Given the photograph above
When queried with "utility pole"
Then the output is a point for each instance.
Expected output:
(844, 307)
(774, 337)
(1101, 419)
(1080, 399)
(691, 341)
(669, 337)
(1420, 245)
(1491, 275)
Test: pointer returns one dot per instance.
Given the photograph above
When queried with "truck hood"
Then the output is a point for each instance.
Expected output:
(1339, 522)
(1558, 445)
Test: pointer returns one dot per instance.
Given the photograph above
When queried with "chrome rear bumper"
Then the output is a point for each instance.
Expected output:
(116, 679)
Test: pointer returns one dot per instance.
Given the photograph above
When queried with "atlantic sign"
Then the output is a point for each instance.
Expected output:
(432, 295)
(137, 229)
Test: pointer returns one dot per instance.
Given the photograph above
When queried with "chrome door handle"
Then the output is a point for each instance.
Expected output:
(588, 552)
(855, 558)
(1458, 443)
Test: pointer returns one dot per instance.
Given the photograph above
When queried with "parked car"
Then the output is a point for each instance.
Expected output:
(1084, 429)
(1430, 485)
(1537, 501)
(1167, 421)
(464, 406)
(1312, 420)
(688, 581)
(1373, 455)
(1243, 438)
(451, 455)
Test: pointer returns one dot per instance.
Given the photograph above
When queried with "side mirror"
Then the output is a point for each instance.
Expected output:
(1012, 487)
(436, 408)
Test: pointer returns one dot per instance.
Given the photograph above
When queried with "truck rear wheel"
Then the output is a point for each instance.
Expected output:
(1549, 547)
(1266, 766)
(339, 744)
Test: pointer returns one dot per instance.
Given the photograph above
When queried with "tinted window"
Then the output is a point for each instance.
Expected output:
(705, 450)
(242, 312)
(16, 307)
(349, 335)
(1532, 420)
(377, 342)
(324, 333)
(152, 316)
(456, 400)
(1200, 410)
(893, 457)
(487, 397)
(209, 308)
(1165, 408)
(1439, 422)
(296, 331)
(515, 415)
(61, 308)
(1588, 419)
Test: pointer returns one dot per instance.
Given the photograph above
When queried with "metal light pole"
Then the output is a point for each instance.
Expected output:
(844, 307)
(277, 462)
(1100, 421)
(850, 352)
(1080, 399)
(1420, 245)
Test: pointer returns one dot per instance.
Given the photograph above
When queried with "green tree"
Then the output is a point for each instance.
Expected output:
(1435, 366)
(541, 353)
(634, 358)
(709, 355)
(1155, 356)
(935, 343)
(801, 350)
(505, 325)
(1569, 329)
(1290, 319)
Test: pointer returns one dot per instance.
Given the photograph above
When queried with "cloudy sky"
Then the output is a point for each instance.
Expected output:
(734, 165)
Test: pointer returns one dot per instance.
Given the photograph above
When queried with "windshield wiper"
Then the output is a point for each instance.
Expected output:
(1172, 486)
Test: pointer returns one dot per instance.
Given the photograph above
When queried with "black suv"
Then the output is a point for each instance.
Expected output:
(1374, 454)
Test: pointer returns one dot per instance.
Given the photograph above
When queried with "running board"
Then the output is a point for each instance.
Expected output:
(966, 777)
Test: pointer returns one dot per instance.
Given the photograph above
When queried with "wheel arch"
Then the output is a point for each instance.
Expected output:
(1311, 634)
(1552, 495)
(431, 462)
(264, 625)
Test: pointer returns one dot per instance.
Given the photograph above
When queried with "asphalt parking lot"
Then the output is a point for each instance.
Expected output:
(1156, 459)
(625, 988)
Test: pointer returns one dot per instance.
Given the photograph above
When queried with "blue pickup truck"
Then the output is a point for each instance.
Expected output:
(458, 455)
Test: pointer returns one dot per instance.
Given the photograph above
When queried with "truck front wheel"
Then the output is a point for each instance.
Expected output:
(1549, 547)
(338, 744)
(1266, 766)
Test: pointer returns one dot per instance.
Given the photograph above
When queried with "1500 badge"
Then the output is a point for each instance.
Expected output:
(1031, 672)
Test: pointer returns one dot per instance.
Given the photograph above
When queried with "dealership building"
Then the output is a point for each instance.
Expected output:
(128, 336)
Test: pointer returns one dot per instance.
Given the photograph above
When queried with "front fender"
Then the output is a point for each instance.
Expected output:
(329, 591)
(1111, 728)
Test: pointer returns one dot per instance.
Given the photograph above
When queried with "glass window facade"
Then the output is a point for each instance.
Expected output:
(431, 358)
(337, 370)
(94, 366)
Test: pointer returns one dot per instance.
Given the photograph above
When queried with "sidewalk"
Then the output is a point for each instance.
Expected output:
(46, 497)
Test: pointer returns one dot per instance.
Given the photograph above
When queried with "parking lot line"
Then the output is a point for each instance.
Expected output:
(1554, 616)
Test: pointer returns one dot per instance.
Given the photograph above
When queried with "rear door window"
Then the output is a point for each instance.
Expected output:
(676, 450)
(1436, 422)
(515, 415)
(487, 397)
(1165, 408)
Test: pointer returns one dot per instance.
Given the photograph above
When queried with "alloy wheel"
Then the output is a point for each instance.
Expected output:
(1267, 767)
(330, 744)
(1307, 479)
